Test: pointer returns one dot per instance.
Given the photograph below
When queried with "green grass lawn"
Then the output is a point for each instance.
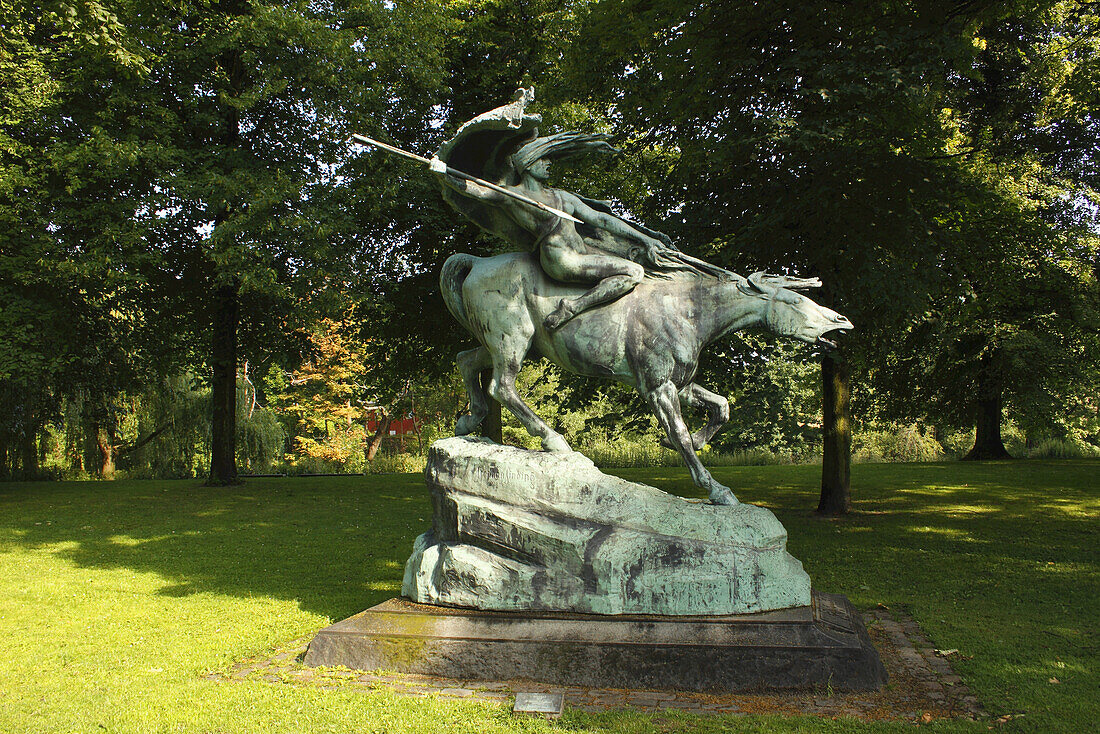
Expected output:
(115, 598)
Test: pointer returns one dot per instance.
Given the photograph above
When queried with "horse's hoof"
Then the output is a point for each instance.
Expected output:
(466, 425)
(722, 496)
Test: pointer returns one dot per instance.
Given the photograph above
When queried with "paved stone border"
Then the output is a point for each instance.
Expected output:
(922, 688)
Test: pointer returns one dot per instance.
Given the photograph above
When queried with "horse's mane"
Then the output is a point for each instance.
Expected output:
(757, 284)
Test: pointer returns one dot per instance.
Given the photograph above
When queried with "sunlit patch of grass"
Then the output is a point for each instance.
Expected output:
(383, 586)
(1074, 508)
(963, 510)
(954, 533)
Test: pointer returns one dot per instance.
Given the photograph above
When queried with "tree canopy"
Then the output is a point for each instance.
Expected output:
(178, 197)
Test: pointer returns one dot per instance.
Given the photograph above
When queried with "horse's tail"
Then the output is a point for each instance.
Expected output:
(451, 279)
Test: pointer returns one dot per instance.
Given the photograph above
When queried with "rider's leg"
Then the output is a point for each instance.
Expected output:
(614, 277)
(606, 290)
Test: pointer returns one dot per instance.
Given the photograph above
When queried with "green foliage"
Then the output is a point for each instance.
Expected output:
(155, 154)
(161, 432)
(1055, 448)
(774, 389)
(179, 407)
(640, 453)
(1014, 317)
(260, 441)
(956, 443)
(935, 169)
(909, 443)
(397, 464)
(644, 452)
(931, 169)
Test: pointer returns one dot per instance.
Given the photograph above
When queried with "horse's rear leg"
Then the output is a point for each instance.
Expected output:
(665, 403)
(470, 364)
(503, 388)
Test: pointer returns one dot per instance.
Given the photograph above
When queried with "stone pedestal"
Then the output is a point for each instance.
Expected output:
(537, 531)
(820, 646)
(540, 567)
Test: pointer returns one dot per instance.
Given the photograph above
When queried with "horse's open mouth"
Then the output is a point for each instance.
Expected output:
(830, 343)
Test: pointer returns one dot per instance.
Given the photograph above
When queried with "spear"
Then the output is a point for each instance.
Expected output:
(459, 174)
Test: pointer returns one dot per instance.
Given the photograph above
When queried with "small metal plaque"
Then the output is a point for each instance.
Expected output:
(833, 613)
(539, 704)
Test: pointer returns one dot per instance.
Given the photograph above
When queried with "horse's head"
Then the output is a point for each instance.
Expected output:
(789, 313)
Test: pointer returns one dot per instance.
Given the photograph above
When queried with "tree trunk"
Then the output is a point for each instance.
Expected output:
(30, 453)
(105, 445)
(836, 458)
(5, 464)
(492, 427)
(988, 444)
(223, 440)
(380, 432)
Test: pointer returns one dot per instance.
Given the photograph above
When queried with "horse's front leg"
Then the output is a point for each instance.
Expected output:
(718, 413)
(506, 363)
(717, 407)
(665, 403)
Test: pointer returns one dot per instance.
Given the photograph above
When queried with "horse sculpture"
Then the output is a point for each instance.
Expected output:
(650, 338)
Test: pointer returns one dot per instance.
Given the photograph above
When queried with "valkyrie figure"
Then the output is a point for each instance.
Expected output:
(590, 246)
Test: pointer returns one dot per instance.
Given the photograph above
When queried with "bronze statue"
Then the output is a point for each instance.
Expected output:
(589, 290)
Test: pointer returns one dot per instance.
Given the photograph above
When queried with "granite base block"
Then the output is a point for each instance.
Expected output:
(821, 646)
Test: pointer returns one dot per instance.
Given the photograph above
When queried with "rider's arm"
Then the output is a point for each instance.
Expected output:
(617, 226)
(462, 186)
(655, 234)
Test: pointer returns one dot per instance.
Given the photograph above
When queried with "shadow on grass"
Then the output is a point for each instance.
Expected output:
(336, 545)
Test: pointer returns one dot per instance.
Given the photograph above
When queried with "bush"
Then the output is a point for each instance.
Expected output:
(384, 463)
(644, 452)
(909, 443)
(957, 443)
(1014, 439)
(1061, 448)
(396, 464)
(631, 454)
(757, 457)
